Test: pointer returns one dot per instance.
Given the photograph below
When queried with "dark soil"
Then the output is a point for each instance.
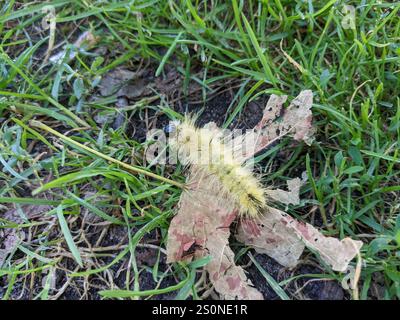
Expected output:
(315, 289)
(146, 259)
(215, 110)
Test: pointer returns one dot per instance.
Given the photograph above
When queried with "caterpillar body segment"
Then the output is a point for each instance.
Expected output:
(205, 149)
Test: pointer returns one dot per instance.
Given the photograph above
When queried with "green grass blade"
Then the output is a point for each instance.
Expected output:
(68, 236)
(271, 281)
(260, 54)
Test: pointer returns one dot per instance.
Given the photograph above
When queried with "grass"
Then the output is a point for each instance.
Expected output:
(254, 47)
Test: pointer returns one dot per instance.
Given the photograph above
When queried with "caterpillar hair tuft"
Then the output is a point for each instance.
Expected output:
(205, 149)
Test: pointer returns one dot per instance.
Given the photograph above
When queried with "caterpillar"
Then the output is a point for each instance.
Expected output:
(205, 149)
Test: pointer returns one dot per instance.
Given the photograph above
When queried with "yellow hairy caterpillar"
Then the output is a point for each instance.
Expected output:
(205, 149)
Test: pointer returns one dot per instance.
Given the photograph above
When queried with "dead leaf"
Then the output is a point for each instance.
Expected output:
(10, 242)
(202, 228)
(270, 235)
(135, 90)
(275, 224)
(278, 122)
(288, 197)
(337, 253)
(115, 80)
(11, 237)
(230, 280)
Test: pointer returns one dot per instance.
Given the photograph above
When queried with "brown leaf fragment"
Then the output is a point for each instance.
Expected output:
(9, 243)
(136, 89)
(299, 118)
(270, 235)
(229, 280)
(201, 228)
(272, 111)
(337, 253)
(277, 122)
(288, 197)
(10, 237)
(116, 80)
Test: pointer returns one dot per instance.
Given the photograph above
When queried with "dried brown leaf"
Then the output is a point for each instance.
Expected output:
(288, 197)
(270, 235)
(10, 237)
(202, 228)
(278, 122)
(116, 80)
(276, 224)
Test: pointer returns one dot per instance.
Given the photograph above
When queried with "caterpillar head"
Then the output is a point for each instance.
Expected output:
(171, 127)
